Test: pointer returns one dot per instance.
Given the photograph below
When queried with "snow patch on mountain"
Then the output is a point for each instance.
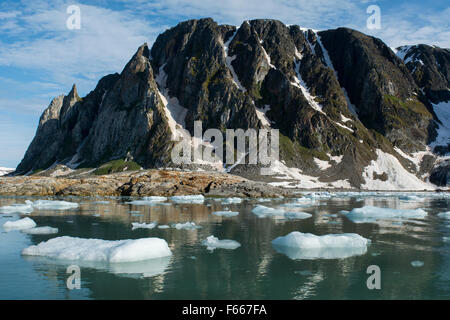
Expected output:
(5, 171)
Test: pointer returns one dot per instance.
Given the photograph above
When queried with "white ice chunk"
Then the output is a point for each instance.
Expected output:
(231, 200)
(53, 205)
(21, 224)
(212, 243)
(148, 201)
(263, 211)
(163, 226)
(155, 199)
(137, 225)
(227, 214)
(297, 245)
(371, 214)
(186, 226)
(417, 263)
(97, 250)
(41, 230)
(17, 208)
(297, 215)
(444, 215)
(188, 199)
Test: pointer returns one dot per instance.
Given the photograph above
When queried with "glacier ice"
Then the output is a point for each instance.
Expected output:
(263, 211)
(297, 245)
(53, 205)
(137, 225)
(17, 208)
(212, 243)
(41, 230)
(231, 200)
(297, 215)
(371, 214)
(417, 263)
(21, 224)
(97, 250)
(444, 215)
(186, 226)
(188, 199)
(225, 213)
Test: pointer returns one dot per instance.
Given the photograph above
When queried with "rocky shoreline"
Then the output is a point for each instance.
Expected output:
(141, 183)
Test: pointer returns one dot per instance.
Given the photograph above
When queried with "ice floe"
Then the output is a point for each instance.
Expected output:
(137, 225)
(53, 205)
(79, 249)
(148, 201)
(186, 226)
(417, 263)
(41, 230)
(263, 211)
(297, 215)
(444, 215)
(227, 214)
(297, 245)
(371, 214)
(212, 243)
(188, 199)
(17, 208)
(231, 200)
(21, 224)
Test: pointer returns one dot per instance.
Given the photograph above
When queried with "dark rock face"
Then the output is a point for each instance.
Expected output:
(381, 87)
(262, 74)
(430, 67)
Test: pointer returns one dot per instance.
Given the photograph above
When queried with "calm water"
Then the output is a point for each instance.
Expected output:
(253, 271)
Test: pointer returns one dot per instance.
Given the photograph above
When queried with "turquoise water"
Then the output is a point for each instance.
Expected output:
(255, 270)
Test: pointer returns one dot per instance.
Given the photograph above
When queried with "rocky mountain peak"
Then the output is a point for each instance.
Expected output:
(340, 99)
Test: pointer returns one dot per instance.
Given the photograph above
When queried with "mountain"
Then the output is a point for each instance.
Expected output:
(351, 113)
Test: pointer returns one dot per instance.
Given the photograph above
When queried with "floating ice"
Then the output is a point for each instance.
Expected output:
(53, 205)
(186, 226)
(263, 211)
(232, 200)
(97, 250)
(371, 214)
(155, 198)
(444, 215)
(212, 243)
(41, 230)
(297, 245)
(225, 213)
(417, 263)
(25, 223)
(137, 225)
(297, 215)
(163, 226)
(101, 202)
(188, 199)
(17, 208)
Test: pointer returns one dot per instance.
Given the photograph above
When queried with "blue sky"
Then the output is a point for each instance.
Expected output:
(40, 58)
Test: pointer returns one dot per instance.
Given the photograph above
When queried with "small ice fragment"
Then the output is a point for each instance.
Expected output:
(136, 225)
(148, 201)
(186, 226)
(227, 214)
(188, 199)
(417, 263)
(297, 245)
(212, 243)
(297, 215)
(163, 226)
(53, 205)
(101, 202)
(263, 211)
(41, 230)
(25, 223)
(444, 215)
(232, 200)
(17, 208)
(155, 199)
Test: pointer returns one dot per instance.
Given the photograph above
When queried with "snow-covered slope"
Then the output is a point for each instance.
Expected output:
(4, 171)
